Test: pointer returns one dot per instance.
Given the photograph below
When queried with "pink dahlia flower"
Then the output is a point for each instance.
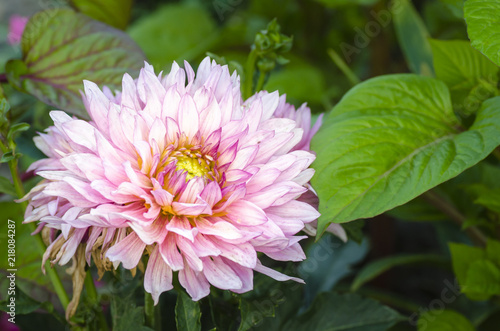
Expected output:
(302, 118)
(16, 27)
(183, 173)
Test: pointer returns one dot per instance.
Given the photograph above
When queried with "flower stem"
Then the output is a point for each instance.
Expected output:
(249, 70)
(261, 81)
(353, 79)
(94, 298)
(454, 214)
(151, 312)
(53, 275)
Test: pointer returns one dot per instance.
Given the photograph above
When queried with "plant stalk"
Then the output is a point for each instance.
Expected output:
(151, 312)
(94, 298)
(454, 214)
(353, 79)
(249, 71)
(261, 81)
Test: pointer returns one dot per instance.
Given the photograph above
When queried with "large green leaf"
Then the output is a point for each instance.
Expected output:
(413, 38)
(346, 312)
(470, 76)
(61, 48)
(187, 313)
(443, 320)
(113, 12)
(175, 32)
(417, 210)
(483, 26)
(378, 267)
(389, 140)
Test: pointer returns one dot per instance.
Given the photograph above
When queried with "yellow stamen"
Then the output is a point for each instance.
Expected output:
(193, 167)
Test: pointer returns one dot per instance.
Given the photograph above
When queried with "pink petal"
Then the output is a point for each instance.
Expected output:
(158, 276)
(246, 213)
(170, 253)
(220, 274)
(190, 254)
(182, 227)
(275, 274)
(128, 251)
(188, 117)
(221, 229)
(195, 283)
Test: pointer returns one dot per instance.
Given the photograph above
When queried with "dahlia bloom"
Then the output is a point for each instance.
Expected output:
(16, 27)
(182, 172)
(302, 118)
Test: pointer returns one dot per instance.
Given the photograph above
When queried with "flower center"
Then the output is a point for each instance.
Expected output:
(194, 167)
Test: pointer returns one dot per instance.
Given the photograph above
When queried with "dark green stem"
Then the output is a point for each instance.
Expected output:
(353, 79)
(94, 299)
(454, 214)
(261, 81)
(151, 312)
(249, 71)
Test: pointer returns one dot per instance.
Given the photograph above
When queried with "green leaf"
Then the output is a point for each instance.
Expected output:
(417, 210)
(462, 257)
(7, 187)
(29, 276)
(483, 18)
(389, 140)
(126, 316)
(489, 198)
(464, 70)
(483, 280)
(376, 268)
(113, 12)
(413, 38)
(346, 312)
(493, 251)
(4, 108)
(249, 316)
(174, 32)
(15, 129)
(62, 48)
(187, 313)
(443, 320)
(25, 304)
(6, 157)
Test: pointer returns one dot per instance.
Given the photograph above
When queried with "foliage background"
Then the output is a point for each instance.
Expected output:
(416, 276)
